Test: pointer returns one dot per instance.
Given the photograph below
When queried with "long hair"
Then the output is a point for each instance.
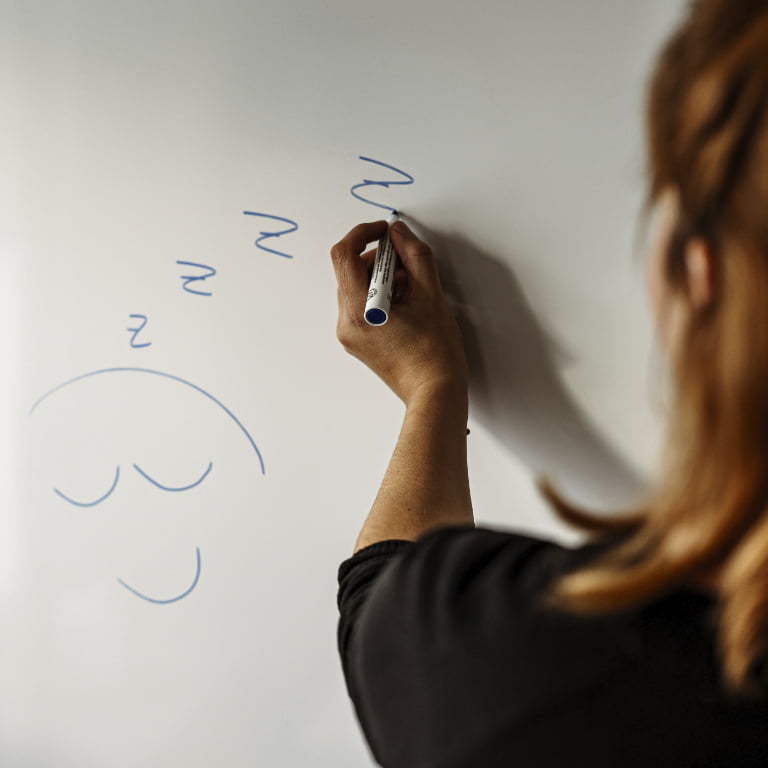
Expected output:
(707, 135)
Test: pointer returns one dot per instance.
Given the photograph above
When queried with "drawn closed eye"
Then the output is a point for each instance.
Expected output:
(91, 503)
(170, 488)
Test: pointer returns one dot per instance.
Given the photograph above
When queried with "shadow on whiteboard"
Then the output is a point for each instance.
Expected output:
(516, 392)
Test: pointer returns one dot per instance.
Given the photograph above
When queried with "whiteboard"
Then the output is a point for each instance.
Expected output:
(187, 452)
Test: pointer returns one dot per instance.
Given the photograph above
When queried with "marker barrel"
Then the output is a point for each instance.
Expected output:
(380, 291)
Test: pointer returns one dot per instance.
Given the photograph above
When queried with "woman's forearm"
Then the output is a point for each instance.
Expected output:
(426, 484)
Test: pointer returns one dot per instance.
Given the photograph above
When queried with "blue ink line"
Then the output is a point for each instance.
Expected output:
(91, 503)
(168, 488)
(137, 331)
(193, 278)
(167, 376)
(264, 235)
(172, 599)
(385, 184)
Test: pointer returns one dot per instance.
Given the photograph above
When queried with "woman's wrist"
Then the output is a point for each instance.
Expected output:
(447, 400)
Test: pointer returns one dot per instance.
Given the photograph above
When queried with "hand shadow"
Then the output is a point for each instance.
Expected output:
(515, 390)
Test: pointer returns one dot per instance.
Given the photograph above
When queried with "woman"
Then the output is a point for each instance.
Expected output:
(469, 647)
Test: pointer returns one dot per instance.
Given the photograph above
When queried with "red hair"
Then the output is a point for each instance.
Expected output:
(707, 131)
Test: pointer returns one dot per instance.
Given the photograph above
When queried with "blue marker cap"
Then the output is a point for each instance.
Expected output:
(375, 316)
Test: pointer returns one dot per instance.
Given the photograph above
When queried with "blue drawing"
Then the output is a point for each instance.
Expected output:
(144, 475)
(147, 371)
(167, 488)
(385, 184)
(265, 235)
(170, 599)
(189, 279)
(137, 331)
(91, 503)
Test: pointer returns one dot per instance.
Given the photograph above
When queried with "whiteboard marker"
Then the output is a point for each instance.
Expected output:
(380, 291)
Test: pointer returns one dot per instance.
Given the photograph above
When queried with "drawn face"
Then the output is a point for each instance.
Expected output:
(113, 429)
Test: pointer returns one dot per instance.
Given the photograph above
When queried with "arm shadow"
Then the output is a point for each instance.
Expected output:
(516, 393)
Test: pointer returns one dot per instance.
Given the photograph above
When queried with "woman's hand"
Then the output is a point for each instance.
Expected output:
(419, 350)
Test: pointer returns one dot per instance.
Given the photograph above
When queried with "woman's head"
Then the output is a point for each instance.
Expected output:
(707, 128)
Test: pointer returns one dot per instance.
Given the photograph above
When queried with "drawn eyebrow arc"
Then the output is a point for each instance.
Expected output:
(169, 488)
(91, 503)
(172, 599)
(170, 376)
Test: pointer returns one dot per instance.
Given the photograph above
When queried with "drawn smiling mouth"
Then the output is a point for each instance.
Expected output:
(170, 599)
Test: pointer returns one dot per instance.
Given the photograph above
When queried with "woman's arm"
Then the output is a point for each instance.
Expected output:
(420, 355)
(426, 483)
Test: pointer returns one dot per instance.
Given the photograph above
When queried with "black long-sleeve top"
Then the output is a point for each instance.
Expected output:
(451, 660)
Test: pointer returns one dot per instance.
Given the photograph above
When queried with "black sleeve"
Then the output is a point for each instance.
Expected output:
(452, 660)
(404, 613)
(357, 576)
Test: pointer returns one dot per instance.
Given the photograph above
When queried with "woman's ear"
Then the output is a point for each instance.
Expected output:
(700, 263)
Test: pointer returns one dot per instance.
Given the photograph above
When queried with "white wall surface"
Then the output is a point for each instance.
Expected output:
(134, 136)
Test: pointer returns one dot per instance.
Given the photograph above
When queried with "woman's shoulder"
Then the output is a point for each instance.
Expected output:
(480, 556)
(455, 570)
(460, 557)
(442, 558)
(458, 580)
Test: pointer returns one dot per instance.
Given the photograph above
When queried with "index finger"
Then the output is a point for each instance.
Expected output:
(358, 237)
(351, 270)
